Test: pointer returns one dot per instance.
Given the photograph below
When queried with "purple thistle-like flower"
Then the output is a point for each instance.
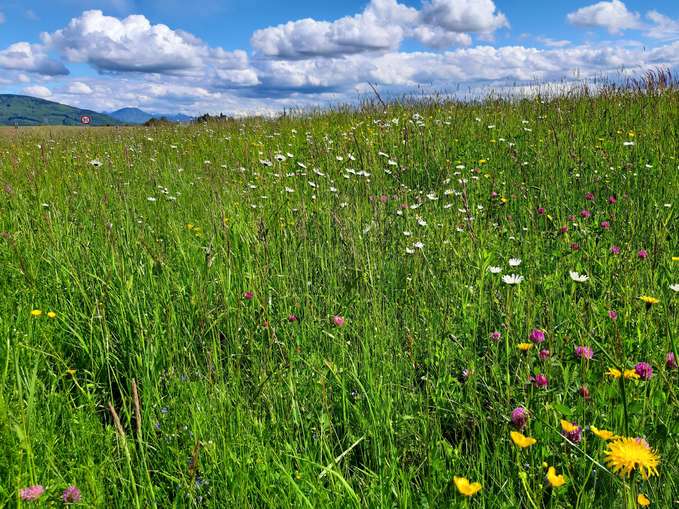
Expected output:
(575, 246)
(248, 295)
(574, 436)
(338, 320)
(613, 315)
(584, 352)
(563, 229)
(31, 493)
(612, 200)
(544, 354)
(605, 225)
(541, 211)
(584, 392)
(495, 336)
(71, 495)
(537, 336)
(643, 254)
(615, 250)
(519, 417)
(584, 213)
(671, 361)
(644, 370)
(292, 318)
(541, 381)
(589, 197)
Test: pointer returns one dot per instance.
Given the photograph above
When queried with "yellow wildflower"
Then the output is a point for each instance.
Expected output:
(522, 440)
(465, 487)
(602, 433)
(555, 480)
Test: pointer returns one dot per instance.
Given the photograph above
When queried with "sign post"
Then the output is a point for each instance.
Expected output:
(85, 119)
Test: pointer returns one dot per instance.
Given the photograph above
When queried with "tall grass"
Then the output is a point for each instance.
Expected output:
(146, 258)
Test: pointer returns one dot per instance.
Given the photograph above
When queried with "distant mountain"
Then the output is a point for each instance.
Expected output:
(25, 111)
(137, 116)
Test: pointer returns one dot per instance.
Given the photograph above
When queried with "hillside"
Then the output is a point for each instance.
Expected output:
(137, 116)
(26, 111)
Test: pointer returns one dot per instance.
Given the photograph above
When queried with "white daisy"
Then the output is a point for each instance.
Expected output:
(512, 279)
(577, 277)
(674, 287)
(514, 262)
(494, 270)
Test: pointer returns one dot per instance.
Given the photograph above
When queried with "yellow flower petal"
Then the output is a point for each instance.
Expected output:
(642, 500)
(522, 440)
(524, 347)
(555, 480)
(567, 426)
(602, 433)
(465, 487)
(36, 312)
(52, 314)
(615, 373)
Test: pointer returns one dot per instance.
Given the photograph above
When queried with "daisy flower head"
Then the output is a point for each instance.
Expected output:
(625, 455)
(466, 488)
(494, 270)
(512, 279)
(514, 262)
(675, 287)
(577, 277)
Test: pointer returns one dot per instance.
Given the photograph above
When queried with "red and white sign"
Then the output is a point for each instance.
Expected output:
(85, 120)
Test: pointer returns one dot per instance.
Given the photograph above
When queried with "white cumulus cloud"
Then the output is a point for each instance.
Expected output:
(22, 56)
(612, 15)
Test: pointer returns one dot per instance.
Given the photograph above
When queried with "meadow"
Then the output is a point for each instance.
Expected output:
(351, 308)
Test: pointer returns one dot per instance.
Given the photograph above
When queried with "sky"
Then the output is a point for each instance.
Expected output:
(241, 57)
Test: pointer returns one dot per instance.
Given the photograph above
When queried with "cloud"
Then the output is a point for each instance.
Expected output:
(38, 91)
(663, 27)
(613, 16)
(79, 88)
(131, 44)
(553, 43)
(464, 15)
(381, 27)
(22, 56)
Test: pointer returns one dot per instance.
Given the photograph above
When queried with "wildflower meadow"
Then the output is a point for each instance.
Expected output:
(421, 304)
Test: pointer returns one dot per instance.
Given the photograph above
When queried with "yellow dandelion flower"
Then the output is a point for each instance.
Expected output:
(555, 480)
(602, 433)
(567, 426)
(630, 374)
(36, 312)
(615, 373)
(504, 199)
(626, 454)
(482, 161)
(522, 440)
(675, 258)
(642, 500)
(649, 300)
(524, 347)
(465, 487)
(52, 314)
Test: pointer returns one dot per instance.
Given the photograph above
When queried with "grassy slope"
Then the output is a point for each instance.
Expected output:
(29, 111)
(265, 404)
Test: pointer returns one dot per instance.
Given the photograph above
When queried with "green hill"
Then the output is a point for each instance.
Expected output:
(26, 111)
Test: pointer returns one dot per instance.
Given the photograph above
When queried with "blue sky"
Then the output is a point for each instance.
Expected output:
(260, 56)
